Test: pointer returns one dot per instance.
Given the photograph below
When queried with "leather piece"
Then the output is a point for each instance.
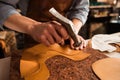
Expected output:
(37, 55)
(28, 67)
(107, 69)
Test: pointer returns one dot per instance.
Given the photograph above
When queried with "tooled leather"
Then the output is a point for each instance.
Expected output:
(37, 55)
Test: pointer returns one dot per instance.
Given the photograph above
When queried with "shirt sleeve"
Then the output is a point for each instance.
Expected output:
(79, 10)
(6, 9)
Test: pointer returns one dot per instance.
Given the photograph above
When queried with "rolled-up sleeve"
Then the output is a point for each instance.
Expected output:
(5, 11)
(79, 10)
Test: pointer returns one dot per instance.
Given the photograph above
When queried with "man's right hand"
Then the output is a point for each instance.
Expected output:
(49, 33)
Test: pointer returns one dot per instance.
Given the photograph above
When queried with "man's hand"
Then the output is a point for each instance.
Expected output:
(49, 33)
(82, 45)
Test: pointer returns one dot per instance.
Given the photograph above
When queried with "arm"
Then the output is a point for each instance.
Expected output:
(47, 33)
(78, 13)
(7, 9)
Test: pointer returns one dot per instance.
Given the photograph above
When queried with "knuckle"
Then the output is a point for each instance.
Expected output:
(50, 26)
(60, 28)
(59, 40)
(45, 32)
(42, 38)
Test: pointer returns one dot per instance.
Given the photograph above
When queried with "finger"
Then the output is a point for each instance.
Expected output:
(61, 30)
(49, 38)
(79, 47)
(56, 22)
(62, 42)
(82, 45)
(54, 34)
(44, 40)
(71, 43)
(83, 41)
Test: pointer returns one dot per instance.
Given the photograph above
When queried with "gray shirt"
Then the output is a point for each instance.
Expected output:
(79, 9)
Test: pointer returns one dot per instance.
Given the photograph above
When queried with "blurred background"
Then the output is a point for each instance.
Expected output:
(104, 18)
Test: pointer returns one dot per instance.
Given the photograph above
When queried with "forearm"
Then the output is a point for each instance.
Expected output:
(79, 10)
(78, 13)
(5, 12)
(78, 24)
(19, 23)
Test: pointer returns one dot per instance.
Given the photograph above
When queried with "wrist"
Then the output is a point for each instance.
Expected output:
(77, 25)
(31, 27)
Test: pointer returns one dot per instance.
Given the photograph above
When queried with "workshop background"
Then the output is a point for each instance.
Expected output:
(104, 18)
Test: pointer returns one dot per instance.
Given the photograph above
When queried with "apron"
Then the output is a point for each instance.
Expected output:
(39, 9)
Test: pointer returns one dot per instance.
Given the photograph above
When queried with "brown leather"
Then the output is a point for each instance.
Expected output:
(107, 69)
(39, 9)
(34, 58)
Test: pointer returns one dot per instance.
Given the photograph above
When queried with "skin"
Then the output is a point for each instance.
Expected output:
(47, 33)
